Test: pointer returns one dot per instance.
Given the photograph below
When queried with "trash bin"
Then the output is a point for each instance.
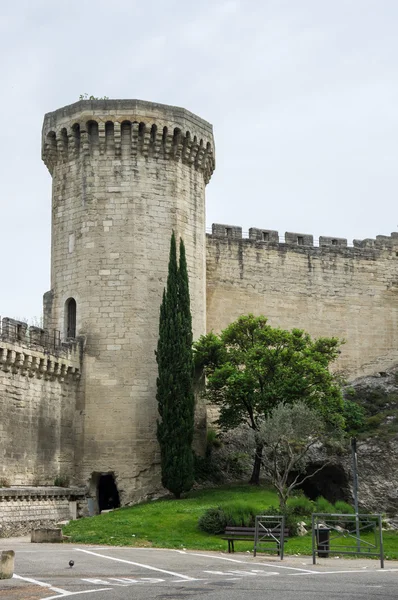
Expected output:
(323, 537)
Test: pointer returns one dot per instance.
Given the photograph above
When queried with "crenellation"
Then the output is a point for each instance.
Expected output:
(141, 136)
(126, 174)
(269, 236)
(299, 239)
(231, 232)
(335, 242)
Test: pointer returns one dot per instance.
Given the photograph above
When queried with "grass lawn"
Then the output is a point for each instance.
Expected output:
(174, 523)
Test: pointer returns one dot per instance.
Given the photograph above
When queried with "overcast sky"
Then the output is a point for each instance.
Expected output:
(302, 94)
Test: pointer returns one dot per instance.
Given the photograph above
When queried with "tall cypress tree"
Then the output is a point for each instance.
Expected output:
(175, 378)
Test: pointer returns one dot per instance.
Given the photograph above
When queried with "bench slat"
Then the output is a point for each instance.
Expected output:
(243, 534)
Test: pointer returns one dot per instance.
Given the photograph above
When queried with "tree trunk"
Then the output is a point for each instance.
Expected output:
(282, 503)
(255, 478)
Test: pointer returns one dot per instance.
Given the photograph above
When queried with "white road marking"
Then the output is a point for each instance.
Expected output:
(343, 572)
(244, 562)
(253, 573)
(41, 584)
(61, 592)
(129, 562)
(124, 581)
(68, 594)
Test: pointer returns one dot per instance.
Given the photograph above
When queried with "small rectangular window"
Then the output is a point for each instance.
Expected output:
(300, 240)
(265, 236)
(228, 231)
(334, 242)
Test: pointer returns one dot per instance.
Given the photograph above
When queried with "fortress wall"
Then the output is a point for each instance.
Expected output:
(330, 290)
(24, 508)
(38, 388)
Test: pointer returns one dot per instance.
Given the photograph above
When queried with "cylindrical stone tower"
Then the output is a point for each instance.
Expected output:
(125, 174)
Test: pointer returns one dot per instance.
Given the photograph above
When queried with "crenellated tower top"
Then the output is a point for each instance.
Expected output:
(129, 127)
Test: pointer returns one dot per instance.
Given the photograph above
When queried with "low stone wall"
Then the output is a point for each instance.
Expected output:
(22, 508)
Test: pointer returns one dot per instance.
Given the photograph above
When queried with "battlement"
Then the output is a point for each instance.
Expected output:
(37, 353)
(292, 239)
(123, 128)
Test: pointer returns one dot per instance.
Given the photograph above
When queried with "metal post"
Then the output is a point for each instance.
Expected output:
(355, 489)
(256, 535)
(381, 543)
(282, 538)
(313, 541)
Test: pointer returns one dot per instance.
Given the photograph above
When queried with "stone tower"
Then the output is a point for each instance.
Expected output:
(125, 174)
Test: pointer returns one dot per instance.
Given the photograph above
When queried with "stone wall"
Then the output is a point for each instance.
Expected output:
(125, 175)
(39, 380)
(24, 508)
(329, 290)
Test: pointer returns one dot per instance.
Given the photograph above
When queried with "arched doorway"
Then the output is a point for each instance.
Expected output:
(108, 495)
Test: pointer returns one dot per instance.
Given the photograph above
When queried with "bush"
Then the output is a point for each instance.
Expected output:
(205, 469)
(240, 514)
(300, 505)
(213, 521)
(236, 464)
(343, 508)
(323, 506)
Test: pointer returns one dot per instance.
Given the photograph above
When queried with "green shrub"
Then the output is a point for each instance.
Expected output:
(343, 508)
(213, 439)
(323, 506)
(205, 469)
(301, 506)
(213, 521)
(240, 514)
(236, 464)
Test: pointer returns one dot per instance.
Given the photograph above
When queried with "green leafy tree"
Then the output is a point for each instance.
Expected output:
(252, 367)
(175, 395)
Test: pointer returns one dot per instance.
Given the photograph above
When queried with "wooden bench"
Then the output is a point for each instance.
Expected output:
(247, 534)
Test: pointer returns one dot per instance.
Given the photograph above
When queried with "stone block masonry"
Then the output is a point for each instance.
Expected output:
(330, 290)
(25, 508)
(126, 173)
(38, 390)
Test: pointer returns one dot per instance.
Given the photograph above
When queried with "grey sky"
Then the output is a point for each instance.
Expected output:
(302, 94)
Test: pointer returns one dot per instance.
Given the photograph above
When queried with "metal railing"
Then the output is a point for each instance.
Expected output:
(355, 534)
(18, 332)
(270, 534)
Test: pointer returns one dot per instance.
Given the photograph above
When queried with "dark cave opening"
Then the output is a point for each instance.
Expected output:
(331, 482)
(108, 495)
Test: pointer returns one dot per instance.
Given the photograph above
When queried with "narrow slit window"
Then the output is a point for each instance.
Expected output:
(265, 236)
(70, 318)
(228, 231)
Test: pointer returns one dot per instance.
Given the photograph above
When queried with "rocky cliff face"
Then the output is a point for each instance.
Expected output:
(378, 444)
(377, 450)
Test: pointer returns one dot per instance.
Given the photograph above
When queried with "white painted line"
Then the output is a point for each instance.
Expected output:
(343, 572)
(41, 584)
(68, 594)
(245, 562)
(129, 562)
(276, 566)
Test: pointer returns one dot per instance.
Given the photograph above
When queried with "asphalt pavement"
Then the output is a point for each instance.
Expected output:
(42, 572)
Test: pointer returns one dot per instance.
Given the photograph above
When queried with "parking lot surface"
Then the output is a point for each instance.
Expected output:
(42, 572)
